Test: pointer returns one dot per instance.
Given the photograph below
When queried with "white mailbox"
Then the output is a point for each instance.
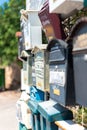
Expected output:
(32, 29)
(65, 7)
(34, 4)
(23, 113)
(32, 25)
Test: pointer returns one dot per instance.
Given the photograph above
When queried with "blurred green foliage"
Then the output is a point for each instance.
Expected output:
(9, 25)
(80, 115)
(70, 21)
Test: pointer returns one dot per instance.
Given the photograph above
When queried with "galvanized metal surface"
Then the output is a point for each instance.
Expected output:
(78, 38)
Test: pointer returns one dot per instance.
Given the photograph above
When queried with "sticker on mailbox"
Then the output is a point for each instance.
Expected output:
(57, 77)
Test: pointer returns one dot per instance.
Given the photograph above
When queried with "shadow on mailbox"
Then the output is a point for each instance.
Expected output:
(79, 41)
(61, 72)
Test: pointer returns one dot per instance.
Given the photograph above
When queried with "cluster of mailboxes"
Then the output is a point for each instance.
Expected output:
(67, 61)
(59, 72)
(68, 67)
(58, 68)
(48, 111)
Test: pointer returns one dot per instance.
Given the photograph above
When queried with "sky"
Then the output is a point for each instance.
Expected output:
(2, 1)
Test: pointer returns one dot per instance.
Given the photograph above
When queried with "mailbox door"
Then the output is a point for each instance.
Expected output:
(61, 72)
(57, 82)
(57, 59)
(80, 72)
(80, 60)
(41, 70)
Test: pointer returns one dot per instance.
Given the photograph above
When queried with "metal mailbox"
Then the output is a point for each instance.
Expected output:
(41, 67)
(23, 113)
(66, 7)
(79, 36)
(20, 42)
(34, 27)
(36, 96)
(39, 88)
(61, 72)
(21, 39)
(33, 104)
(26, 73)
(51, 111)
(34, 4)
(51, 23)
(31, 28)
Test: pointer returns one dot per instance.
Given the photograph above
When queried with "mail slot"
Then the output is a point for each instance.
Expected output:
(51, 23)
(79, 36)
(61, 72)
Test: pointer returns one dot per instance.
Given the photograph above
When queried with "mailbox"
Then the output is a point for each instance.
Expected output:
(79, 40)
(21, 40)
(40, 85)
(34, 4)
(26, 72)
(23, 112)
(66, 7)
(61, 72)
(31, 28)
(41, 67)
(19, 35)
(51, 23)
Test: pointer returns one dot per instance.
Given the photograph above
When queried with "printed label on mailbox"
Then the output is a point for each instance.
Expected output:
(56, 92)
(57, 77)
(39, 70)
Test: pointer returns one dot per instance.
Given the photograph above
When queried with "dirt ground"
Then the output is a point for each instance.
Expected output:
(14, 94)
(8, 101)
